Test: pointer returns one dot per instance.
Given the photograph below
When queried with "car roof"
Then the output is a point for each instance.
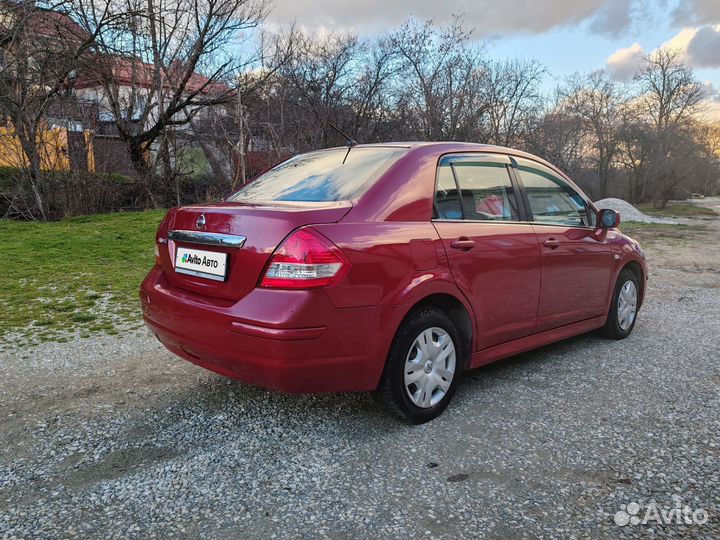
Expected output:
(451, 146)
(412, 144)
(446, 147)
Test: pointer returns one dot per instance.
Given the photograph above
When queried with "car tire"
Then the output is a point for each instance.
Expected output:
(624, 306)
(424, 366)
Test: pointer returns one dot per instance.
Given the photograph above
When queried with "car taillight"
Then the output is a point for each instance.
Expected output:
(161, 247)
(305, 260)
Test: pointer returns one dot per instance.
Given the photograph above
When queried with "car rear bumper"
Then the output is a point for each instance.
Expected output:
(290, 341)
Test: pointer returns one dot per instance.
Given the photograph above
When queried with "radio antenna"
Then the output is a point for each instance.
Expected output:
(350, 141)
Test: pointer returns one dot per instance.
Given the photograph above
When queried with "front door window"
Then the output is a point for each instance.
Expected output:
(552, 201)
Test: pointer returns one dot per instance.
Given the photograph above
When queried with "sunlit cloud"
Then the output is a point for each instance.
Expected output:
(698, 47)
(703, 50)
(487, 17)
(623, 64)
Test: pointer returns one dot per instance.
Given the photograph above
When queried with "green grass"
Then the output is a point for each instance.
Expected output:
(677, 210)
(80, 275)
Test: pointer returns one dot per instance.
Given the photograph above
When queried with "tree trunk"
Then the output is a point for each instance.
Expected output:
(603, 182)
(136, 151)
(241, 142)
(37, 196)
(169, 173)
(219, 161)
(28, 142)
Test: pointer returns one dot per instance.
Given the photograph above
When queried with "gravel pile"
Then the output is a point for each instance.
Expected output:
(119, 439)
(629, 213)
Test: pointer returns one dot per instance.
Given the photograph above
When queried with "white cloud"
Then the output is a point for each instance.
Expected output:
(624, 63)
(612, 18)
(713, 110)
(712, 104)
(679, 42)
(488, 17)
(697, 12)
(698, 47)
(709, 89)
(703, 50)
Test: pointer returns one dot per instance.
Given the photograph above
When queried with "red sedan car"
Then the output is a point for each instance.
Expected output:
(389, 267)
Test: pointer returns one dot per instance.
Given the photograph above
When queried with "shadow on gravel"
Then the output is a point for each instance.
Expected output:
(359, 413)
(208, 412)
(515, 367)
(216, 398)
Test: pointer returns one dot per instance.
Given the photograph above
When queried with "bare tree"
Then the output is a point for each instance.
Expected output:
(42, 47)
(709, 180)
(556, 135)
(167, 78)
(512, 93)
(323, 73)
(333, 79)
(635, 142)
(669, 93)
(669, 98)
(148, 66)
(439, 88)
(372, 92)
(226, 133)
(596, 101)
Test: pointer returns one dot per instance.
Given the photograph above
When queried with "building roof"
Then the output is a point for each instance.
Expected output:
(40, 21)
(126, 71)
(133, 72)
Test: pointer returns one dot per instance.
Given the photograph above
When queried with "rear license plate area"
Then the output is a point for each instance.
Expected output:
(201, 263)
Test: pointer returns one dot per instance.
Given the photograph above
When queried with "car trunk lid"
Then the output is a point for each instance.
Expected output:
(264, 228)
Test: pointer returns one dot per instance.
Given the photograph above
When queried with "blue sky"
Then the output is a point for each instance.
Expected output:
(568, 49)
(567, 36)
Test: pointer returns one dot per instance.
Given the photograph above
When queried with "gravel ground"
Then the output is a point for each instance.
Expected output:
(629, 213)
(116, 438)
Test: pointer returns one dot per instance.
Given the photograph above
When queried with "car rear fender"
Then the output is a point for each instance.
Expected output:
(392, 264)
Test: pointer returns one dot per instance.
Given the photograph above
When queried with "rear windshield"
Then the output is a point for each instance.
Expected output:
(338, 174)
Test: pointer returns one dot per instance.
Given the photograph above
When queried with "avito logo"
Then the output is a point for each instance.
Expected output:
(187, 258)
(192, 259)
(632, 514)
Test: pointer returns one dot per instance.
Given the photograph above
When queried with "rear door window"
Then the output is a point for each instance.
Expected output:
(486, 192)
(447, 199)
(336, 174)
(475, 189)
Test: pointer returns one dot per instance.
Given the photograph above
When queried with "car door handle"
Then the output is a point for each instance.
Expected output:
(462, 243)
(551, 243)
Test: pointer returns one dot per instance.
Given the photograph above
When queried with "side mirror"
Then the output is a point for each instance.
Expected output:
(608, 219)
